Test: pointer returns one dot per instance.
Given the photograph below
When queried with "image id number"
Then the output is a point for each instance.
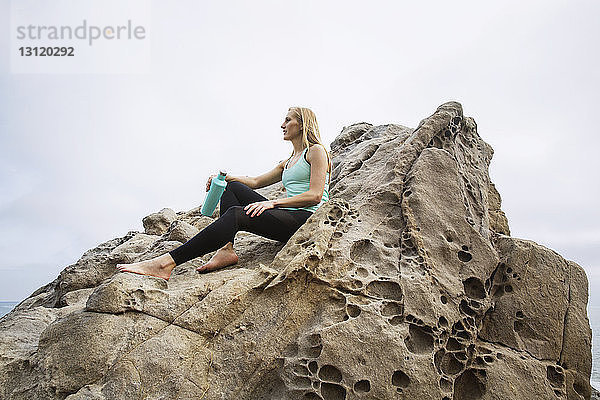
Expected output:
(47, 51)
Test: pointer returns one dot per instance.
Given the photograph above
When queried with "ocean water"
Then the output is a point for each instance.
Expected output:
(594, 316)
(6, 306)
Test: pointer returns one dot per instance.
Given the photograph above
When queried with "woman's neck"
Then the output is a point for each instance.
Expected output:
(298, 146)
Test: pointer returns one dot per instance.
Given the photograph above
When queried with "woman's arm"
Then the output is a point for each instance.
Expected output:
(317, 158)
(246, 180)
(263, 180)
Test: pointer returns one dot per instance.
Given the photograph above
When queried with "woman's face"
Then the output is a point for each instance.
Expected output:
(290, 126)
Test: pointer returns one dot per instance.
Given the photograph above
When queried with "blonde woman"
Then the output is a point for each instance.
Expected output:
(305, 175)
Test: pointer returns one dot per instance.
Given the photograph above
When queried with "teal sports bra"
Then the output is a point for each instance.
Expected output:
(296, 180)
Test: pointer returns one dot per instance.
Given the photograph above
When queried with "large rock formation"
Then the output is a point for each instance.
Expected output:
(405, 285)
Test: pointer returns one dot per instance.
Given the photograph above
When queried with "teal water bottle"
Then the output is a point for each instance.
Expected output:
(217, 187)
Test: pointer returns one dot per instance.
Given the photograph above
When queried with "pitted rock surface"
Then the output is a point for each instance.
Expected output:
(406, 284)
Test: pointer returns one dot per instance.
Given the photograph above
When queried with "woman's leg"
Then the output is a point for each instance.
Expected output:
(235, 194)
(238, 194)
(276, 224)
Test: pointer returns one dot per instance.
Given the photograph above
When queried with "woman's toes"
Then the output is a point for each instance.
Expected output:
(202, 268)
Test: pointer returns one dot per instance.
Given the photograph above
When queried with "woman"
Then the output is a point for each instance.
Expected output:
(305, 176)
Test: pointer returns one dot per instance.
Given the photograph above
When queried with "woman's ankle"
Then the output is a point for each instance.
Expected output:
(227, 247)
(166, 261)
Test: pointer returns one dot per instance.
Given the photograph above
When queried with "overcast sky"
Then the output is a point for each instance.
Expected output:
(84, 157)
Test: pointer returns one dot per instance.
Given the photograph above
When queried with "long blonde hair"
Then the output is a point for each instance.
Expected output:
(310, 131)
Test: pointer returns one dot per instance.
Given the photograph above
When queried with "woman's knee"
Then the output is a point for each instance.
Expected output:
(236, 216)
(235, 213)
(235, 185)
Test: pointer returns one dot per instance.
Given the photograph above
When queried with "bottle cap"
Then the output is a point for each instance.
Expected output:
(222, 174)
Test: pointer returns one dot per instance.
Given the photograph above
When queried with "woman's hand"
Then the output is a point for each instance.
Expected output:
(209, 181)
(255, 209)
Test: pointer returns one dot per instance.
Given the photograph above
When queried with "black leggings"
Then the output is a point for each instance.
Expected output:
(274, 223)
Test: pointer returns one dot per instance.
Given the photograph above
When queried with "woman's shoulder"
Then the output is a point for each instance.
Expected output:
(316, 148)
(317, 153)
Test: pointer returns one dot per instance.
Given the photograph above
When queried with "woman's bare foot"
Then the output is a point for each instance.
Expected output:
(160, 267)
(224, 257)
